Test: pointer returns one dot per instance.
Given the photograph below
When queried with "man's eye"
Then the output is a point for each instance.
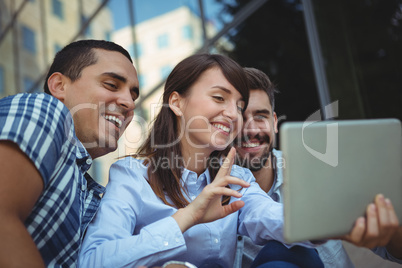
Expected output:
(111, 85)
(241, 109)
(260, 117)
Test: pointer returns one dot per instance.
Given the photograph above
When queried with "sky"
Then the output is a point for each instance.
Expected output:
(146, 9)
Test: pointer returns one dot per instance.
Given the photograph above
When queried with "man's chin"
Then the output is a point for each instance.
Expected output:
(252, 162)
(247, 156)
(246, 162)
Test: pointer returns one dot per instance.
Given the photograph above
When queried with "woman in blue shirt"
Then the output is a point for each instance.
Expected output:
(177, 202)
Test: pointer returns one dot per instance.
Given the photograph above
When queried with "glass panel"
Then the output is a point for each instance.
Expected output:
(28, 39)
(361, 42)
(163, 41)
(57, 7)
(2, 81)
(187, 32)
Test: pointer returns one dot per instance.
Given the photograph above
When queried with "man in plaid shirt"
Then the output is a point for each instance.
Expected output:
(47, 144)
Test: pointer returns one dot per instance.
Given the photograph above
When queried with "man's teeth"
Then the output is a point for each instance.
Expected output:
(224, 128)
(114, 120)
(250, 144)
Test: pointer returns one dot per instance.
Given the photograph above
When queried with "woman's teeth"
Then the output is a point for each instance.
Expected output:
(224, 128)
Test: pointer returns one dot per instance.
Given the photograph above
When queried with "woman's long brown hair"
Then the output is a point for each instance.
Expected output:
(162, 141)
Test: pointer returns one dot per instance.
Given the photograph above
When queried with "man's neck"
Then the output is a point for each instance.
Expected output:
(265, 176)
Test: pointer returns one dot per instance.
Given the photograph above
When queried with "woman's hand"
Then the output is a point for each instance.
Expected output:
(208, 206)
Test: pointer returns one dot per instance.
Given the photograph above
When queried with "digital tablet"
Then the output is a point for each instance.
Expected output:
(333, 170)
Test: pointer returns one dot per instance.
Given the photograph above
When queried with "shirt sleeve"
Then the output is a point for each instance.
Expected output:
(261, 218)
(39, 124)
(127, 231)
(383, 253)
(333, 254)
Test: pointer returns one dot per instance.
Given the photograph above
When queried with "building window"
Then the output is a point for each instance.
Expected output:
(130, 50)
(141, 80)
(165, 71)
(57, 48)
(57, 8)
(28, 39)
(108, 36)
(88, 29)
(139, 48)
(2, 81)
(187, 32)
(28, 84)
(163, 41)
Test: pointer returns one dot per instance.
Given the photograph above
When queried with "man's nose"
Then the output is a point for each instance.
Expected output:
(125, 100)
(250, 128)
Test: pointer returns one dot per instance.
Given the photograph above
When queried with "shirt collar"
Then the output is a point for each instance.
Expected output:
(188, 175)
(83, 159)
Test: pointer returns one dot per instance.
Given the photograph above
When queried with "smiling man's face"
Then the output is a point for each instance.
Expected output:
(255, 142)
(101, 101)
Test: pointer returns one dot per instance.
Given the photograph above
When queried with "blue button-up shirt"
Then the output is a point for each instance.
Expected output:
(134, 227)
(43, 129)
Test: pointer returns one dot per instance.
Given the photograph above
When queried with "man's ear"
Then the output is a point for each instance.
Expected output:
(56, 84)
(275, 123)
(175, 101)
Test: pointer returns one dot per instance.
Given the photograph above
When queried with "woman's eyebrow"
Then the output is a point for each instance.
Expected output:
(223, 88)
(228, 91)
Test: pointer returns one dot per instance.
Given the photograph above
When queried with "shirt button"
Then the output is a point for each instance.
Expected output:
(177, 240)
(192, 197)
(88, 161)
(83, 187)
(166, 243)
(216, 241)
(239, 238)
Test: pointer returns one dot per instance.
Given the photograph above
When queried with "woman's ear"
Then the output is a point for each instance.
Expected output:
(175, 103)
(56, 84)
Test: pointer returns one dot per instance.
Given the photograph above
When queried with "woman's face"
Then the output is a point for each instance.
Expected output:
(211, 113)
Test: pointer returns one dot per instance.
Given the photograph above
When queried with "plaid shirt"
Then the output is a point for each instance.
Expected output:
(43, 129)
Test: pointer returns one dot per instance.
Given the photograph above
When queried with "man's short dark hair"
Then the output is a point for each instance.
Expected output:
(73, 58)
(259, 80)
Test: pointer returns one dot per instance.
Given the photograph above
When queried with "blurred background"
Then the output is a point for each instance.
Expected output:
(317, 52)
